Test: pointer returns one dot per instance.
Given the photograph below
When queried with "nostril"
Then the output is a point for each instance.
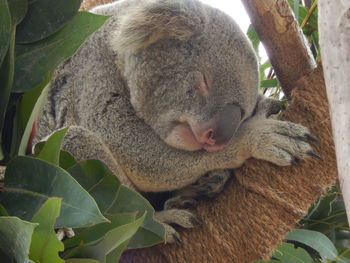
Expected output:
(210, 134)
(208, 137)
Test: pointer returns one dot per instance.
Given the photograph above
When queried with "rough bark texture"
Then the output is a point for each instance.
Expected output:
(263, 202)
(334, 21)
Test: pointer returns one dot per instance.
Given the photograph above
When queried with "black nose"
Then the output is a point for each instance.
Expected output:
(227, 123)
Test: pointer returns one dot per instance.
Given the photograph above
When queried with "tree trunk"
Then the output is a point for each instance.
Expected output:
(263, 202)
(334, 22)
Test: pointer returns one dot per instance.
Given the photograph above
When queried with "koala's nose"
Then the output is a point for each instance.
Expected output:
(220, 129)
(206, 136)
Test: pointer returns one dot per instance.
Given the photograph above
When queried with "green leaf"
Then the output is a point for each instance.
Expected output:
(269, 83)
(45, 17)
(52, 147)
(114, 198)
(109, 248)
(18, 10)
(36, 60)
(81, 260)
(5, 29)
(45, 246)
(254, 38)
(66, 160)
(315, 240)
(287, 253)
(30, 106)
(29, 182)
(15, 237)
(3, 211)
(6, 79)
(96, 232)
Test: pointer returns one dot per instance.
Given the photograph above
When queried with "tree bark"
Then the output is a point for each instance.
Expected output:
(334, 22)
(263, 202)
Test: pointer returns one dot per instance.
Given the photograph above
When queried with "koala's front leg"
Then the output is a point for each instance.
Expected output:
(280, 142)
(208, 186)
(84, 144)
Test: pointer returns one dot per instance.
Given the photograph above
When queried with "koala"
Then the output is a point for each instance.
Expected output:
(166, 94)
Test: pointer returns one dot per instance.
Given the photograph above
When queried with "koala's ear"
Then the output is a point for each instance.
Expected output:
(152, 21)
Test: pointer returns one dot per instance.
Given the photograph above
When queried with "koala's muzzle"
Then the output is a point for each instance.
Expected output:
(215, 134)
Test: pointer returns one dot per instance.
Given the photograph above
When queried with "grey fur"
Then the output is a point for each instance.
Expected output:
(135, 79)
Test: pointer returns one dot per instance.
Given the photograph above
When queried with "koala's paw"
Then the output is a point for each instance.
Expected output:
(179, 217)
(280, 142)
(208, 186)
(212, 183)
(267, 107)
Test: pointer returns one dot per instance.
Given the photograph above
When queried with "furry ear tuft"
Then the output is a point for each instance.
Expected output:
(153, 20)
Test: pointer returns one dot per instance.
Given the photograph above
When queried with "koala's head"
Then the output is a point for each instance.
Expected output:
(192, 74)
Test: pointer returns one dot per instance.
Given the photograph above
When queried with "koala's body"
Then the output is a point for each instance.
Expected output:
(165, 92)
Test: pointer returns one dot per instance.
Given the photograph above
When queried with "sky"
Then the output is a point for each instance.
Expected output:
(234, 8)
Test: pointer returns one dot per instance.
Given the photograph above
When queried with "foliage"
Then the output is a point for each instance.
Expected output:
(324, 234)
(49, 190)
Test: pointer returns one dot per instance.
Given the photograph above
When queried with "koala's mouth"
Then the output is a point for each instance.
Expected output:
(182, 137)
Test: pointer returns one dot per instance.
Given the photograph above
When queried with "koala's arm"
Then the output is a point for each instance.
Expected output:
(152, 165)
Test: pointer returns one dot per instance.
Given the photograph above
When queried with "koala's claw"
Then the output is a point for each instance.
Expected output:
(171, 236)
(315, 155)
(179, 217)
(311, 137)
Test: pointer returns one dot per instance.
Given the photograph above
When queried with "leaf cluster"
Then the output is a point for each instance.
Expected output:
(47, 192)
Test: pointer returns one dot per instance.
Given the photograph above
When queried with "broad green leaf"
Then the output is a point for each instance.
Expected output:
(81, 260)
(45, 246)
(315, 240)
(150, 232)
(113, 198)
(115, 255)
(109, 248)
(18, 10)
(118, 236)
(29, 108)
(6, 79)
(15, 237)
(45, 17)
(5, 28)
(52, 147)
(97, 179)
(287, 253)
(36, 60)
(3, 211)
(66, 160)
(269, 83)
(96, 232)
(29, 182)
